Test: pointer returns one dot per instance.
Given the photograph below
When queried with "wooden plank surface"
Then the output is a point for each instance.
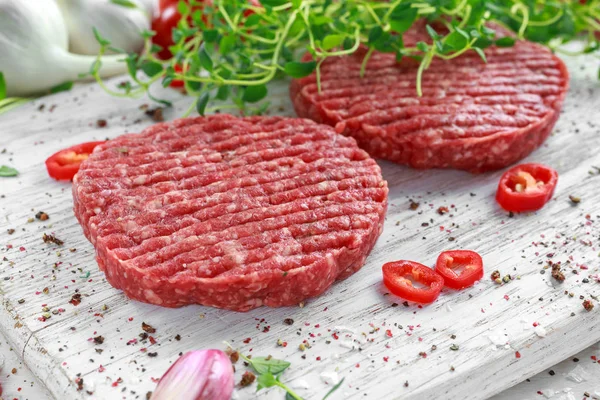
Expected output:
(489, 323)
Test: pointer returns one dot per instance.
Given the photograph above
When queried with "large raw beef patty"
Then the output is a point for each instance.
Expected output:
(473, 115)
(230, 212)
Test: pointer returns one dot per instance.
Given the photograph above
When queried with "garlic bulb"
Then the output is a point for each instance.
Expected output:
(34, 49)
(122, 26)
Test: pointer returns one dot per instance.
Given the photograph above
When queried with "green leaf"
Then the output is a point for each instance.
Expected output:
(193, 85)
(223, 93)
(101, 40)
(263, 366)
(167, 80)
(205, 59)
(124, 3)
(423, 47)
(183, 8)
(8, 171)
(253, 20)
(481, 54)
(265, 380)
(146, 34)
(151, 68)
(226, 44)
(348, 43)
(95, 67)
(252, 94)
(431, 32)
(131, 62)
(375, 34)
(506, 41)
(331, 41)
(201, 103)
(210, 35)
(2, 87)
(402, 17)
(299, 69)
(296, 4)
(333, 389)
(456, 40)
(63, 87)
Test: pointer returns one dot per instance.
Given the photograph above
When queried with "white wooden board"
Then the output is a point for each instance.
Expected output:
(489, 323)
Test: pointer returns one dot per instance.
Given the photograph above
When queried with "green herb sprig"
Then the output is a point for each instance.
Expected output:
(269, 370)
(229, 51)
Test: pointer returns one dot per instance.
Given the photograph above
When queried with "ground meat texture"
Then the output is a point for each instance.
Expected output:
(472, 115)
(230, 212)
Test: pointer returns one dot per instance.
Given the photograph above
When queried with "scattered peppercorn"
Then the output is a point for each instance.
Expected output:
(156, 114)
(588, 305)
(52, 239)
(496, 276)
(101, 123)
(575, 199)
(42, 216)
(413, 205)
(99, 339)
(443, 210)
(247, 379)
(557, 273)
(75, 299)
(288, 321)
(148, 328)
(454, 347)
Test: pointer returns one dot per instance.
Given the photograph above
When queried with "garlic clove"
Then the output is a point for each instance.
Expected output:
(197, 375)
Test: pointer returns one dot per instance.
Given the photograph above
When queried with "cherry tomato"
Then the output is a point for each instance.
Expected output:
(63, 165)
(163, 24)
(395, 278)
(526, 187)
(468, 261)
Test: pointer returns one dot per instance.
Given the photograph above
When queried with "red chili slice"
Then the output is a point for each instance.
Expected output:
(526, 187)
(63, 165)
(395, 278)
(468, 261)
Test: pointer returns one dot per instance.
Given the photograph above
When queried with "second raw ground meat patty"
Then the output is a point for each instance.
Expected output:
(472, 115)
(230, 212)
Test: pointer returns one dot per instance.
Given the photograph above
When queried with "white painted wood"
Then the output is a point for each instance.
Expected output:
(489, 328)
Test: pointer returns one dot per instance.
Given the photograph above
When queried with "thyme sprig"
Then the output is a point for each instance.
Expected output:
(229, 51)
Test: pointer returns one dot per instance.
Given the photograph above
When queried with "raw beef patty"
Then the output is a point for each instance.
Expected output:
(230, 212)
(472, 115)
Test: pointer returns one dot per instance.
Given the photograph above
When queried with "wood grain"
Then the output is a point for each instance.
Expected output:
(489, 322)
